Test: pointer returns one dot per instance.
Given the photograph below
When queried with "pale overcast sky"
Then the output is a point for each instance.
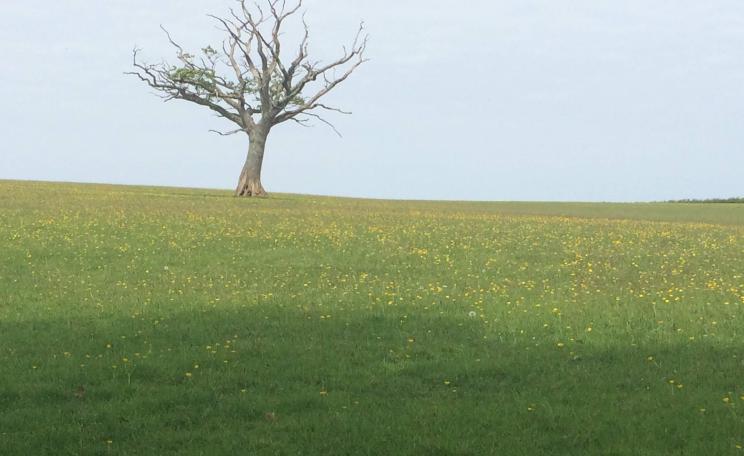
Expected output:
(589, 100)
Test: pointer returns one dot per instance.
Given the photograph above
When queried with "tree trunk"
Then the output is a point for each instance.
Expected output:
(249, 183)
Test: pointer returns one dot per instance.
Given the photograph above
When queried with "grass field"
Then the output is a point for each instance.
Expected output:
(168, 321)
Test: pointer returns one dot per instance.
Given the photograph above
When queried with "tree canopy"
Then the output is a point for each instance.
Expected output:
(248, 80)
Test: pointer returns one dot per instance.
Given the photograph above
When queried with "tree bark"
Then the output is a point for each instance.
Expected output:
(249, 183)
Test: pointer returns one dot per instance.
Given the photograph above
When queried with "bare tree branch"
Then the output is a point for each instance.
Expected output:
(162, 79)
(228, 133)
(355, 56)
(311, 114)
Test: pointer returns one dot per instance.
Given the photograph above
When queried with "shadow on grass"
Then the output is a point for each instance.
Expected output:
(268, 381)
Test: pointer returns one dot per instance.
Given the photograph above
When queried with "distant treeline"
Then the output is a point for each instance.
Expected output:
(711, 200)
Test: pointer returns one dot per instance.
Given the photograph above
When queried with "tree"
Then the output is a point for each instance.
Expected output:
(248, 81)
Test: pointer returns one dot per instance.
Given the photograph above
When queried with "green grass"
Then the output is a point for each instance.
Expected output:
(341, 326)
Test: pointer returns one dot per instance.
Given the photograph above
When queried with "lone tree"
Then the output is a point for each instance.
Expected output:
(250, 83)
